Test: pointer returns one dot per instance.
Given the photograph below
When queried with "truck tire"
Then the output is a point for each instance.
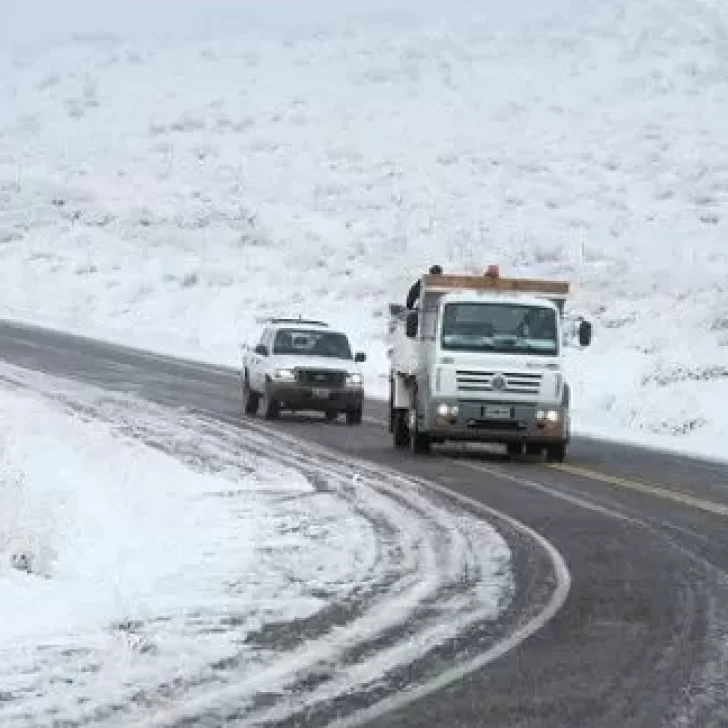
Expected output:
(419, 442)
(354, 416)
(400, 431)
(251, 400)
(556, 453)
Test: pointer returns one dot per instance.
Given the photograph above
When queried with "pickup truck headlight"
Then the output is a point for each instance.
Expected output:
(284, 375)
(549, 415)
(353, 380)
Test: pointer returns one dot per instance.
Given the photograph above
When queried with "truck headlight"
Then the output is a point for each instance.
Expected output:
(284, 375)
(447, 410)
(353, 380)
(550, 415)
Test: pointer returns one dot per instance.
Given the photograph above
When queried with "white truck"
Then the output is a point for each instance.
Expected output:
(480, 360)
(302, 365)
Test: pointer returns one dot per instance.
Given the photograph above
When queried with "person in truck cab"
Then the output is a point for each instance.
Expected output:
(414, 291)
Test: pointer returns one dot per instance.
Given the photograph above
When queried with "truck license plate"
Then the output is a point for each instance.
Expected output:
(496, 413)
(321, 393)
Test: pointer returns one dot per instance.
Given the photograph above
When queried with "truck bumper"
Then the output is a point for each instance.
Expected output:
(499, 422)
(298, 398)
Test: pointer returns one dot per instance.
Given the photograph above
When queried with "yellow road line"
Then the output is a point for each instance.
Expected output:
(677, 496)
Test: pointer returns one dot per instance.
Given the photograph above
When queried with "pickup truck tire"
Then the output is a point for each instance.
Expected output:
(271, 408)
(331, 416)
(556, 453)
(354, 417)
(251, 399)
(514, 449)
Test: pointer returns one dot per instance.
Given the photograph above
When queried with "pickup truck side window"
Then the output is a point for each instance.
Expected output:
(265, 339)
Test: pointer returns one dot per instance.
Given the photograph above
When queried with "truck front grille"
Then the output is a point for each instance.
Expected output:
(471, 382)
(321, 378)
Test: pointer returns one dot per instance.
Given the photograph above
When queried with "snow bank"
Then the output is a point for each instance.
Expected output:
(167, 177)
(111, 550)
(104, 523)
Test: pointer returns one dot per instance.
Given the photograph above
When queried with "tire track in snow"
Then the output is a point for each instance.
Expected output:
(421, 611)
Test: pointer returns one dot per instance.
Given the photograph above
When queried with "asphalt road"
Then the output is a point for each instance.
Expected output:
(642, 639)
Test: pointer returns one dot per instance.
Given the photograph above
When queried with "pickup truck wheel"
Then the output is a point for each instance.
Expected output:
(271, 408)
(354, 417)
(514, 449)
(400, 431)
(419, 442)
(331, 416)
(251, 399)
(534, 449)
(556, 453)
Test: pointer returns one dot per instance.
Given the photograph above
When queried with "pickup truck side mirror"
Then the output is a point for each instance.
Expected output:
(585, 333)
(360, 357)
(412, 325)
(261, 349)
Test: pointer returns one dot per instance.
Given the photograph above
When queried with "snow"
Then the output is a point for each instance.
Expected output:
(168, 176)
(155, 563)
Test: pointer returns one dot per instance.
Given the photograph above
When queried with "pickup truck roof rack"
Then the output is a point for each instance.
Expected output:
(290, 320)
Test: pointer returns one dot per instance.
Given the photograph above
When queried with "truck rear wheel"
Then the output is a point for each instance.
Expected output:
(556, 453)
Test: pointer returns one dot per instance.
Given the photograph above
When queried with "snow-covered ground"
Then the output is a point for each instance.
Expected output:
(170, 171)
(154, 564)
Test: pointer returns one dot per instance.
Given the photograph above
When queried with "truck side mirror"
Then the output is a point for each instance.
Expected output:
(412, 325)
(261, 349)
(585, 333)
(360, 357)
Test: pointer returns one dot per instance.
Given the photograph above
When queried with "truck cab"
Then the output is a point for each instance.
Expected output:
(481, 360)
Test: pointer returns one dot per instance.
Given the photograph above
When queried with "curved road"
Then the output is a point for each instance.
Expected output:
(642, 639)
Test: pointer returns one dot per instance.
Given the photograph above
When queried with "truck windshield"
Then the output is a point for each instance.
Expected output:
(499, 327)
(304, 342)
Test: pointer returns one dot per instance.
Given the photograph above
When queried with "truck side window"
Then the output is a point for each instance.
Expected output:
(428, 322)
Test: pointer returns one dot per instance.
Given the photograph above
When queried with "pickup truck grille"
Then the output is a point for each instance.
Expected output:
(321, 378)
(469, 381)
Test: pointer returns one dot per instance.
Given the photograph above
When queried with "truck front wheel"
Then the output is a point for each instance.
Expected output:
(419, 442)
(400, 431)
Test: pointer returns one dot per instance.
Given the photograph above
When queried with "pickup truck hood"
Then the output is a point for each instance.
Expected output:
(296, 361)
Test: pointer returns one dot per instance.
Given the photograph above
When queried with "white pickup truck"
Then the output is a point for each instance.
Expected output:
(301, 365)
(481, 360)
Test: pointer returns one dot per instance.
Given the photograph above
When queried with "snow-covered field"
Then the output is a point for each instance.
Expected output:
(170, 171)
(157, 565)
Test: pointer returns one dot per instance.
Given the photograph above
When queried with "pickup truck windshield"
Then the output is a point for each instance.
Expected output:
(304, 342)
(504, 328)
